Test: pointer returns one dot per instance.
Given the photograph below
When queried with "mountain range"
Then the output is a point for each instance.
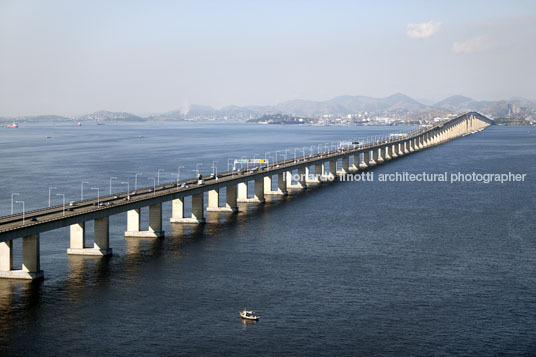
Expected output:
(397, 104)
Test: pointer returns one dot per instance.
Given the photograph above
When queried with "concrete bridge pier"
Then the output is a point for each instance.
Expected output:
(282, 183)
(366, 160)
(346, 164)
(379, 156)
(409, 149)
(387, 154)
(357, 162)
(412, 145)
(31, 265)
(155, 223)
(101, 244)
(230, 198)
(177, 210)
(394, 151)
(303, 174)
(242, 192)
(319, 173)
(373, 158)
(425, 140)
(332, 170)
(214, 200)
(258, 192)
(399, 150)
(268, 185)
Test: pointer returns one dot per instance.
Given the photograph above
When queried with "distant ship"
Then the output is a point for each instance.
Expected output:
(99, 123)
(12, 126)
(78, 124)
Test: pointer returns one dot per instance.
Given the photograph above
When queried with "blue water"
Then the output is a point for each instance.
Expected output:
(351, 268)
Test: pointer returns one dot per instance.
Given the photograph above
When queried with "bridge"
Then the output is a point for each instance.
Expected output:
(350, 159)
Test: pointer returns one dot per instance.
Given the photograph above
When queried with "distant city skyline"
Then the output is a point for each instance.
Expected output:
(72, 58)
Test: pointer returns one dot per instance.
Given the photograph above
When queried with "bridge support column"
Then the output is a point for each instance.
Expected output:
(394, 151)
(155, 223)
(366, 160)
(379, 155)
(303, 174)
(288, 179)
(198, 209)
(332, 170)
(133, 220)
(346, 164)
(268, 184)
(214, 201)
(412, 147)
(374, 157)
(102, 236)
(425, 140)
(31, 267)
(230, 199)
(101, 245)
(282, 184)
(387, 153)
(357, 161)
(242, 192)
(155, 220)
(258, 193)
(177, 210)
(6, 256)
(409, 146)
(319, 173)
(400, 149)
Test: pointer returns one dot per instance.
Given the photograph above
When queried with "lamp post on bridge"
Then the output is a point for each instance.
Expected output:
(63, 199)
(82, 190)
(128, 189)
(154, 185)
(158, 175)
(136, 180)
(22, 210)
(98, 194)
(13, 194)
(215, 169)
(112, 178)
(179, 174)
(197, 168)
(50, 189)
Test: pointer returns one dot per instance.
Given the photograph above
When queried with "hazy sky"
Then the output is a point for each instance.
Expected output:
(75, 57)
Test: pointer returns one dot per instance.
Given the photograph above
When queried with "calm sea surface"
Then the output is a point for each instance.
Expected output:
(351, 268)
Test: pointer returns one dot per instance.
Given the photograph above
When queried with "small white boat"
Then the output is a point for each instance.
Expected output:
(248, 315)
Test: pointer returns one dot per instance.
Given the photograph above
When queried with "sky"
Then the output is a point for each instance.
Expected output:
(77, 57)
